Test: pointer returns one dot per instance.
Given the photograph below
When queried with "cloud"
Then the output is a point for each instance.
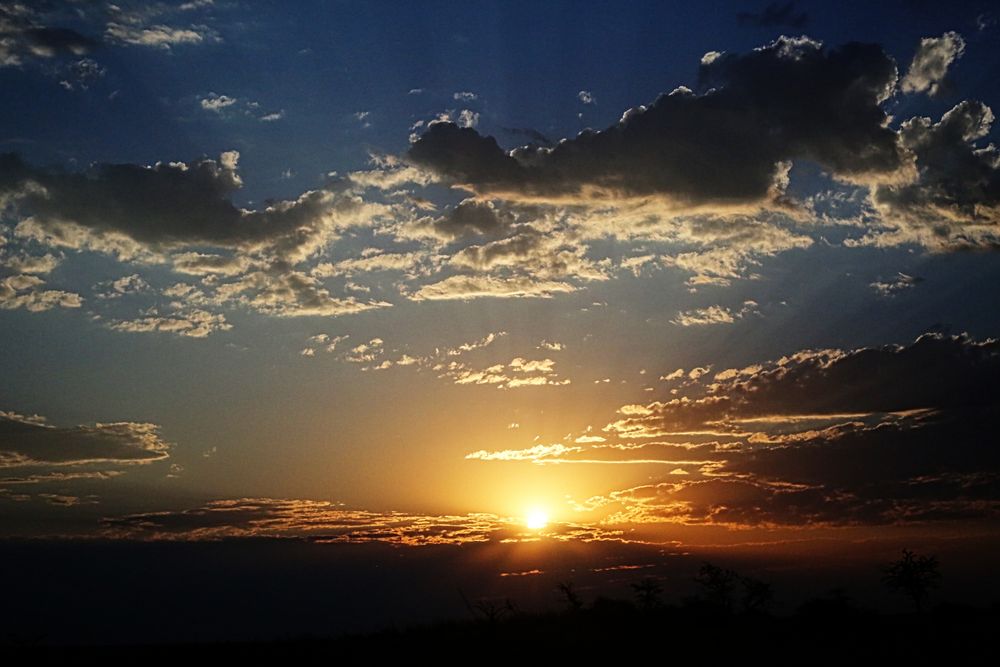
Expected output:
(217, 103)
(929, 68)
(30, 441)
(200, 264)
(413, 264)
(714, 315)
(900, 283)
(791, 99)
(188, 322)
(536, 454)
(472, 217)
(25, 291)
(115, 289)
(891, 434)
(81, 74)
(158, 35)
(520, 372)
(323, 521)
(23, 36)
(954, 202)
(163, 206)
(775, 14)
(282, 292)
(474, 287)
(467, 118)
(448, 363)
(34, 264)
(933, 372)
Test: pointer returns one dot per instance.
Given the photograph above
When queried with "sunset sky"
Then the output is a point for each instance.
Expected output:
(662, 272)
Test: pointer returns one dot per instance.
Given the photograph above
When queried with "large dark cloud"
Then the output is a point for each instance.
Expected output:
(130, 210)
(934, 372)
(28, 441)
(167, 203)
(893, 434)
(791, 99)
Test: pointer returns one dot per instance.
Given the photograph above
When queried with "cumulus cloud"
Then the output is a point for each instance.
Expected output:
(791, 99)
(217, 103)
(30, 441)
(929, 68)
(129, 208)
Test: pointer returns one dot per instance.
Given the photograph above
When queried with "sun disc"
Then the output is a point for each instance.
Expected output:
(537, 519)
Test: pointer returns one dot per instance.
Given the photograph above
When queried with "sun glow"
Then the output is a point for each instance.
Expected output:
(537, 519)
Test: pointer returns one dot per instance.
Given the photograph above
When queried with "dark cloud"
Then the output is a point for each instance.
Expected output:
(29, 441)
(775, 14)
(909, 471)
(894, 434)
(22, 37)
(59, 40)
(473, 217)
(935, 372)
(164, 205)
(791, 99)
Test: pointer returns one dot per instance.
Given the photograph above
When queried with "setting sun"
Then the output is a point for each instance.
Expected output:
(537, 519)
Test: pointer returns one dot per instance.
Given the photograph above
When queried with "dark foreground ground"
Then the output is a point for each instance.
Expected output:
(824, 631)
(808, 603)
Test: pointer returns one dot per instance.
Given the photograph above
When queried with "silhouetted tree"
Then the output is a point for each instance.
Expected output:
(718, 585)
(492, 611)
(570, 597)
(647, 593)
(914, 576)
(757, 595)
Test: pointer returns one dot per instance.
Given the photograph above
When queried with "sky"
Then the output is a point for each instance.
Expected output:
(408, 273)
